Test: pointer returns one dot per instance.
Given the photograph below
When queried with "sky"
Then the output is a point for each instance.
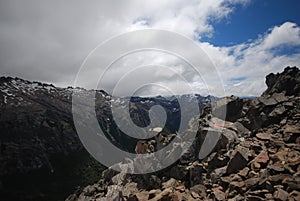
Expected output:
(248, 22)
(49, 40)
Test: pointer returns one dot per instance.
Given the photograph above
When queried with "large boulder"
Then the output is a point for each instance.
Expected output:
(229, 108)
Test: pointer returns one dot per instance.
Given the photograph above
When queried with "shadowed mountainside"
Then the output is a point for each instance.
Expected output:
(41, 156)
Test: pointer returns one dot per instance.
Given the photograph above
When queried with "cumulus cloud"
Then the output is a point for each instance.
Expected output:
(48, 40)
(256, 59)
(286, 34)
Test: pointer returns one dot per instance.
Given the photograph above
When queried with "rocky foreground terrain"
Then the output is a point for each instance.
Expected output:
(257, 156)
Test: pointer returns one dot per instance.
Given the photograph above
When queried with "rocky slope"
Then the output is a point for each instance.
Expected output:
(41, 156)
(257, 156)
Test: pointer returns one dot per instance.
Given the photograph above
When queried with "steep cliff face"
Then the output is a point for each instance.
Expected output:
(257, 156)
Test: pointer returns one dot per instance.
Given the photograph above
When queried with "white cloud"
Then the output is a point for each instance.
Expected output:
(256, 59)
(286, 34)
(48, 40)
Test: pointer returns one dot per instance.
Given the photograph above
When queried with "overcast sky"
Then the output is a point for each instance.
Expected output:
(48, 40)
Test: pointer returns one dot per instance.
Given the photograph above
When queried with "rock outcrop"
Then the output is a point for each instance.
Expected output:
(287, 82)
(256, 157)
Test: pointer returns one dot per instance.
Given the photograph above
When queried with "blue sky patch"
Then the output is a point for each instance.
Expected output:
(248, 22)
(238, 79)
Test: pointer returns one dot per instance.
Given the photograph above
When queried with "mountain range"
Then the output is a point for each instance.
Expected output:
(256, 156)
(39, 146)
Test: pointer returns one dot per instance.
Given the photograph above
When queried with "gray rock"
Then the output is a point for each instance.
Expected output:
(229, 108)
(238, 161)
(114, 193)
(281, 195)
(195, 173)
